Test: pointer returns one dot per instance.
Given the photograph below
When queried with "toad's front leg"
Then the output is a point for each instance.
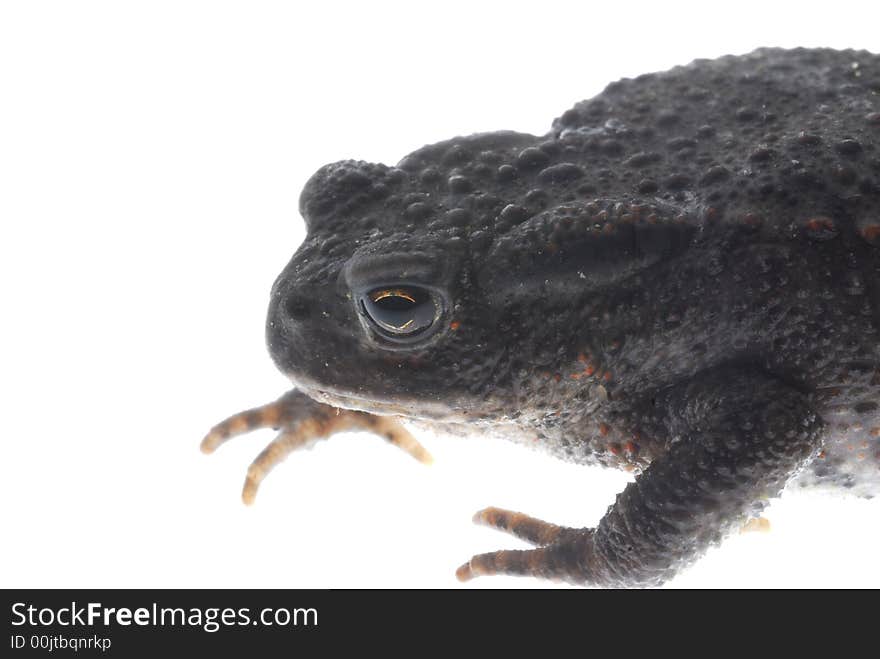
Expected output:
(302, 421)
(736, 437)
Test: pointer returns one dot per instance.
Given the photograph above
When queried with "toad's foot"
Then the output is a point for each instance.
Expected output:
(558, 546)
(301, 422)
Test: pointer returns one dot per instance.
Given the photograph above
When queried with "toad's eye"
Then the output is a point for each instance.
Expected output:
(401, 311)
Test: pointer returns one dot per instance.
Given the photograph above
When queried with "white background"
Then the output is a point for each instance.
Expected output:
(151, 156)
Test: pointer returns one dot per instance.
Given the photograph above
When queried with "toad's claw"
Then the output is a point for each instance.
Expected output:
(562, 554)
(522, 526)
(551, 562)
(514, 562)
(303, 421)
(266, 416)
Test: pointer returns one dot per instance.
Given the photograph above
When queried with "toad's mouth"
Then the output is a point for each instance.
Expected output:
(413, 409)
(402, 406)
(432, 413)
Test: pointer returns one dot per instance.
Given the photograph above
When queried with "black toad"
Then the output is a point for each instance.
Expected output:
(681, 279)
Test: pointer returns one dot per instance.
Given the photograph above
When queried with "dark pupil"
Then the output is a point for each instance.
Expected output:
(400, 311)
(395, 303)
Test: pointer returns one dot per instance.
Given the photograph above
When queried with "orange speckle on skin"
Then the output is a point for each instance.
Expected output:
(582, 358)
(819, 223)
(576, 376)
(614, 449)
(821, 455)
(557, 377)
(875, 432)
(872, 232)
(454, 325)
(604, 429)
(629, 447)
(606, 376)
(589, 370)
